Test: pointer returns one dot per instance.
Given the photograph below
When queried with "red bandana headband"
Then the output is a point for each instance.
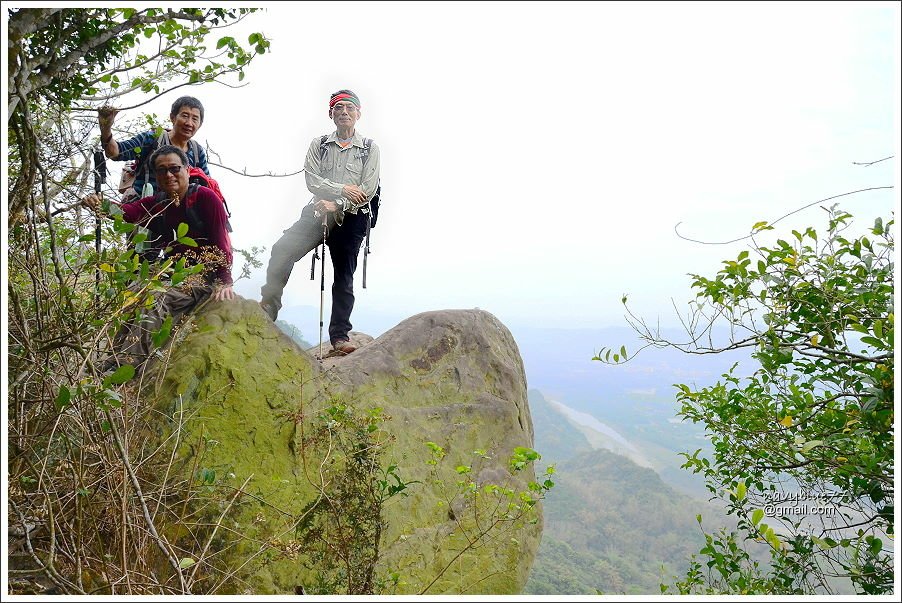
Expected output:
(344, 96)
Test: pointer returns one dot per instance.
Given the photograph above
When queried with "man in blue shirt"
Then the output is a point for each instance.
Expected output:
(187, 116)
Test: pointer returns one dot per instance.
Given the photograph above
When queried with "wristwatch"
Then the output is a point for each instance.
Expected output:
(341, 204)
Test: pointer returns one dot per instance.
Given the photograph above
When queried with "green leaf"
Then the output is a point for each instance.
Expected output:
(182, 230)
(111, 398)
(188, 241)
(740, 491)
(872, 341)
(63, 398)
(822, 543)
(809, 445)
(186, 562)
(122, 226)
(878, 328)
(121, 375)
(878, 226)
(162, 334)
(757, 515)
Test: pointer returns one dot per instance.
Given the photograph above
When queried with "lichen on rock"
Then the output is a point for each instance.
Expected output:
(242, 400)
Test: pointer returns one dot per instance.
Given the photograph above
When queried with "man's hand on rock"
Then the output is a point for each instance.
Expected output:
(223, 292)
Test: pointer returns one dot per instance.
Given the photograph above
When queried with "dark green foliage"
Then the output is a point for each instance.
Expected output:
(813, 422)
(340, 531)
(82, 483)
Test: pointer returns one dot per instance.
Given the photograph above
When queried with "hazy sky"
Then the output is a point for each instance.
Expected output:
(536, 157)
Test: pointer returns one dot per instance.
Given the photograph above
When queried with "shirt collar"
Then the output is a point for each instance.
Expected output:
(357, 141)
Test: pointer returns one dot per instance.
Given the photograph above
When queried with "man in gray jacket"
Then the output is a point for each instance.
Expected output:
(342, 172)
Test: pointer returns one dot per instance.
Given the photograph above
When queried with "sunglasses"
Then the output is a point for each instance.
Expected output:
(172, 169)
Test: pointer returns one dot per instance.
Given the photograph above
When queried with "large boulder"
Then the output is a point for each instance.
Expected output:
(243, 400)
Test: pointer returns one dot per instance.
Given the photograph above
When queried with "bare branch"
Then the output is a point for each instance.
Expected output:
(244, 172)
(868, 164)
(875, 188)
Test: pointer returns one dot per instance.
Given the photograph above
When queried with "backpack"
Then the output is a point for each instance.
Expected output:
(374, 202)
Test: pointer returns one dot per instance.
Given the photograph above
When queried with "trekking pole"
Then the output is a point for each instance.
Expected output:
(99, 178)
(322, 286)
(366, 247)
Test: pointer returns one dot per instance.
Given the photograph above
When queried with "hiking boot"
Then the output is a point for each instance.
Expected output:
(343, 346)
(269, 309)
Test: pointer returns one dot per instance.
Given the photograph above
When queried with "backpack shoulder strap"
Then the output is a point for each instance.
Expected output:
(190, 193)
(322, 146)
(367, 143)
(142, 170)
(191, 212)
(195, 150)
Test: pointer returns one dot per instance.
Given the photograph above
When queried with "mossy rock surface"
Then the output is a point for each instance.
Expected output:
(238, 395)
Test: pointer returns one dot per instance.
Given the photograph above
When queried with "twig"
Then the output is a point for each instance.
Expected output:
(870, 163)
(244, 172)
(875, 188)
(46, 567)
(160, 541)
(216, 528)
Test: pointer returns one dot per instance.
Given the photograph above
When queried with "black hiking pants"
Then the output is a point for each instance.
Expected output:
(344, 246)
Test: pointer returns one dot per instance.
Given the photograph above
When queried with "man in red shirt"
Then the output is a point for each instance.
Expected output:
(161, 214)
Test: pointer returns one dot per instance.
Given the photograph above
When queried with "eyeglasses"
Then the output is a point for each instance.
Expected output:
(172, 169)
(338, 107)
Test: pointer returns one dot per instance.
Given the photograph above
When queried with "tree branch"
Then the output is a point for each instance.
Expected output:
(875, 188)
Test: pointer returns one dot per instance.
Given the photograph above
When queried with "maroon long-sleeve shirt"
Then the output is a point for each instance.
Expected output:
(210, 211)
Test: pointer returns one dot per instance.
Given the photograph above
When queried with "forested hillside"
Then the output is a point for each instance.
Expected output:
(610, 525)
(559, 439)
(613, 526)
